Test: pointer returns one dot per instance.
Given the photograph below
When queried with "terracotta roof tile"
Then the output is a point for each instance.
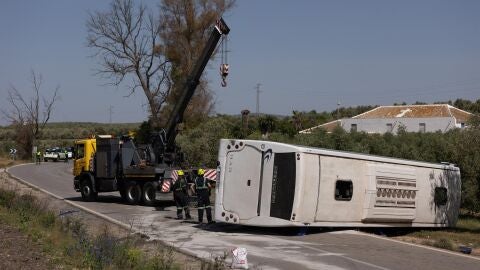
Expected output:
(404, 111)
(414, 111)
(461, 116)
(329, 126)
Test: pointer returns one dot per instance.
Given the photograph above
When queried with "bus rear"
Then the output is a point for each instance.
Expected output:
(256, 184)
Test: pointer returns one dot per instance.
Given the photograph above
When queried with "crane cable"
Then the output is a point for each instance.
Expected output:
(224, 60)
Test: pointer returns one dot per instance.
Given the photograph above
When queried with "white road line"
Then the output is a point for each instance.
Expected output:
(419, 246)
(328, 253)
(30, 184)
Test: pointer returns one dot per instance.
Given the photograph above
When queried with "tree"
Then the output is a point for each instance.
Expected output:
(29, 116)
(297, 119)
(126, 39)
(266, 124)
(185, 28)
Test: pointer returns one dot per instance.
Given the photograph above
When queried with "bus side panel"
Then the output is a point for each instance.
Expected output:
(392, 194)
(306, 197)
(342, 170)
(430, 207)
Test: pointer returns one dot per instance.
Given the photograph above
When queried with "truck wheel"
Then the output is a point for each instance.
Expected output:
(123, 194)
(133, 193)
(86, 189)
(149, 193)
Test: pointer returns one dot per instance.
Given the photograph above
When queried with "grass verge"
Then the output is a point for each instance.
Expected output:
(66, 243)
(465, 234)
(7, 162)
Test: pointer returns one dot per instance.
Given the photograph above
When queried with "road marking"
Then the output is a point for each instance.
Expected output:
(417, 245)
(328, 253)
(30, 184)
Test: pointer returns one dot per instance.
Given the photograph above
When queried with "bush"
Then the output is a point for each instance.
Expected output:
(443, 243)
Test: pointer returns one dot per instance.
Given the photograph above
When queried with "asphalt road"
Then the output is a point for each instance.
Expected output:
(268, 248)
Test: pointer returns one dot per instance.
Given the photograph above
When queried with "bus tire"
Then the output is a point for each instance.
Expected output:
(86, 188)
(149, 193)
(133, 193)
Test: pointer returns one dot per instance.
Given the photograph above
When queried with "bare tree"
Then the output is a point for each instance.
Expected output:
(127, 41)
(185, 27)
(29, 115)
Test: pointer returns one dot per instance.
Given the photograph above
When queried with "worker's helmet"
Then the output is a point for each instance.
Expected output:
(201, 172)
(180, 172)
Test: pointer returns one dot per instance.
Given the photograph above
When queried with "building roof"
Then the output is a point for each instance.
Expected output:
(403, 111)
(415, 111)
(329, 127)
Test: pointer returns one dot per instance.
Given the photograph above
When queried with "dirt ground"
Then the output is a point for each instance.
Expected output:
(19, 252)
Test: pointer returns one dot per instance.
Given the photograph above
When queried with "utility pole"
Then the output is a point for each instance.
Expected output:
(258, 97)
(338, 105)
(110, 111)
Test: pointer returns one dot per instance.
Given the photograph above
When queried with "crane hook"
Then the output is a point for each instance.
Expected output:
(224, 64)
(224, 73)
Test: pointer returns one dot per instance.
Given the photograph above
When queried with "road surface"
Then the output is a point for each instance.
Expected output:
(268, 248)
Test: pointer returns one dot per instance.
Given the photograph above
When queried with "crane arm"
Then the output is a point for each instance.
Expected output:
(192, 82)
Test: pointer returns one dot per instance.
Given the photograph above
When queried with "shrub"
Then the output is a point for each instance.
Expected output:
(443, 243)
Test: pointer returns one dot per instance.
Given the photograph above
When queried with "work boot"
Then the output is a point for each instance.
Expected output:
(179, 213)
(209, 214)
(200, 216)
(187, 213)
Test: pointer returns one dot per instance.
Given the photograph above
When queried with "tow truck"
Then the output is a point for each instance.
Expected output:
(138, 172)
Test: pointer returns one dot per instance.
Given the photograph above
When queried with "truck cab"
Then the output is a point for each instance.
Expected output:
(84, 152)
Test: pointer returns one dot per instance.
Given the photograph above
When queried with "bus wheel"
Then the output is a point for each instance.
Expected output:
(133, 193)
(86, 189)
(149, 193)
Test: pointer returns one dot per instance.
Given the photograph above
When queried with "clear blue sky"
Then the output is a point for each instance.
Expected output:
(308, 55)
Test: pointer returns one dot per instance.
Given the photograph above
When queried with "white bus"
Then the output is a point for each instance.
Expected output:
(263, 183)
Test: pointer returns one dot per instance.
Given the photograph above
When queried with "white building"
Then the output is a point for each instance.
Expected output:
(414, 118)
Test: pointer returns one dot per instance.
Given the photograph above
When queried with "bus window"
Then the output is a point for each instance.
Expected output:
(343, 190)
(440, 196)
(283, 185)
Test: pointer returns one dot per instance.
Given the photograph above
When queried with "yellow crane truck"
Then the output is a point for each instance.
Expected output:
(138, 172)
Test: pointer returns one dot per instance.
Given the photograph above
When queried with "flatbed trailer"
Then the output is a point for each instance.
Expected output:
(263, 183)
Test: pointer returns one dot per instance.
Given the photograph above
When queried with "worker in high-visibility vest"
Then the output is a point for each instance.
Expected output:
(180, 195)
(39, 156)
(202, 188)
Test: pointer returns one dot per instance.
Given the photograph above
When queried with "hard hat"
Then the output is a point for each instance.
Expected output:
(180, 172)
(201, 172)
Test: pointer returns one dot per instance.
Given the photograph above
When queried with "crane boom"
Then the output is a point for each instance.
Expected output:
(192, 82)
(138, 172)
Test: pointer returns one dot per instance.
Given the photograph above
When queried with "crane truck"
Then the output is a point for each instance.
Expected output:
(106, 164)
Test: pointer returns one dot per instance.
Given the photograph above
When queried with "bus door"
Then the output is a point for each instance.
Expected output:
(243, 181)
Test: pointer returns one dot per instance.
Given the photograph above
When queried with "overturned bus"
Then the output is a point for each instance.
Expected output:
(263, 183)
